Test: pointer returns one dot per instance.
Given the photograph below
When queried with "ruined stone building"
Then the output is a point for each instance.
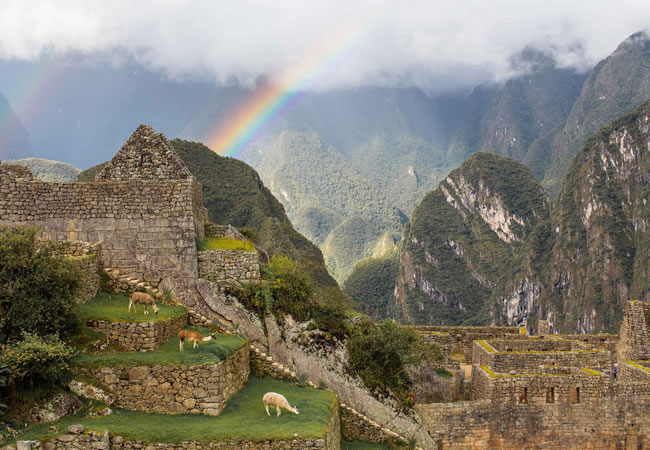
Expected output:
(145, 208)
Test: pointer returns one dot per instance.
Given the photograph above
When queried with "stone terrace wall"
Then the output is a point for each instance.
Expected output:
(613, 423)
(524, 361)
(634, 371)
(634, 337)
(539, 345)
(229, 265)
(145, 227)
(499, 388)
(139, 336)
(201, 389)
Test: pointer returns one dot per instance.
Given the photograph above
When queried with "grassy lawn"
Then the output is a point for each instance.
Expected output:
(361, 445)
(243, 418)
(224, 244)
(114, 307)
(210, 352)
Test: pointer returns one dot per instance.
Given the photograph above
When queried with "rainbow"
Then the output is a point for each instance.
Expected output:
(266, 103)
(28, 93)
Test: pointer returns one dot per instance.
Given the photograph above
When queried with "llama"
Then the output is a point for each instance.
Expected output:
(192, 336)
(145, 299)
(277, 400)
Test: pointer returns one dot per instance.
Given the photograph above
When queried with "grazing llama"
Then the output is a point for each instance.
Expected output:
(192, 336)
(144, 299)
(277, 400)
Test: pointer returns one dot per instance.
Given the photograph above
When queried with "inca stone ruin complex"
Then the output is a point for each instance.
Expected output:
(143, 215)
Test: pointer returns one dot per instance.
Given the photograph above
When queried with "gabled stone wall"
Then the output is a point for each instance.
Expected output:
(634, 336)
(147, 217)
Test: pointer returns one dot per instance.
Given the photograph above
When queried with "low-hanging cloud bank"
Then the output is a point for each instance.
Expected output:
(335, 43)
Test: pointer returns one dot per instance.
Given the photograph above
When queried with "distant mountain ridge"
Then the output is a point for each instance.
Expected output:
(47, 170)
(488, 246)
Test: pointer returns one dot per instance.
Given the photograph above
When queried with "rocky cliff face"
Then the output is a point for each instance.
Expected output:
(463, 256)
(487, 246)
(601, 255)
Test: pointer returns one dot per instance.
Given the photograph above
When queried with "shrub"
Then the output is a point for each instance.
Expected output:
(290, 287)
(211, 243)
(380, 353)
(37, 360)
(36, 287)
(4, 373)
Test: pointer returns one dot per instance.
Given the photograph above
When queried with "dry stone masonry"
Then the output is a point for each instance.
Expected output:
(146, 209)
(139, 336)
(229, 265)
(200, 389)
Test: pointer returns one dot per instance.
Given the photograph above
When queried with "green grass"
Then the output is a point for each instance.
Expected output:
(243, 418)
(361, 445)
(210, 352)
(114, 307)
(224, 244)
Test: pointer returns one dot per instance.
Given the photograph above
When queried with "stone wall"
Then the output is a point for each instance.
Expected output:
(15, 172)
(355, 426)
(615, 422)
(147, 213)
(522, 361)
(139, 336)
(229, 265)
(634, 337)
(540, 388)
(634, 371)
(200, 389)
(458, 340)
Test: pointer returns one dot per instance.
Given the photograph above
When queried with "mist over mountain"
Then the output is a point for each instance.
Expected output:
(351, 164)
(14, 140)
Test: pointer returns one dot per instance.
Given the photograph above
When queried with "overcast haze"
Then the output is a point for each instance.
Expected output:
(434, 45)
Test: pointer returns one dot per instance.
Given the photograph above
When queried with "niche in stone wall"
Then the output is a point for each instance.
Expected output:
(550, 395)
(523, 395)
(575, 395)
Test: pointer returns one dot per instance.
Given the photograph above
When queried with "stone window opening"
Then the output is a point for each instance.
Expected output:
(523, 395)
(550, 395)
(575, 397)
(508, 349)
(602, 343)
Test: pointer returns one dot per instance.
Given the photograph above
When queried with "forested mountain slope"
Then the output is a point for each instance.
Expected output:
(489, 247)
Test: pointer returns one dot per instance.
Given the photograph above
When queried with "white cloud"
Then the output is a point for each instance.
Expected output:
(399, 42)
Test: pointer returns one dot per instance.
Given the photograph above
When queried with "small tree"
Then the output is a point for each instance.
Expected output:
(37, 360)
(36, 287)
(4, 373)
(380, 353)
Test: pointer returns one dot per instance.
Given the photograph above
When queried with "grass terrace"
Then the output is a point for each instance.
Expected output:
(114, 308)
(211, 352)
(211, 243)
(243, 418)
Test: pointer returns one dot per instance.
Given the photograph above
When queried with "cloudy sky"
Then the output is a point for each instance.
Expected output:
(324, 44)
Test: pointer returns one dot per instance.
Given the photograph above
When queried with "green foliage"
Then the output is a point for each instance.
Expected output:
(5, 372)
(89, 174)
(210, 243)
(372, 283)
(211, 352)
(380, 353)
(243, 418)
(114, 307)
(37, 288)
(36, 360)
(290, 287)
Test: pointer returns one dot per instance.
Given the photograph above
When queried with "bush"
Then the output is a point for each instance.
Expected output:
(36, 287)
(290, 287)
(4, 373)
(380, 353)
(37, 360)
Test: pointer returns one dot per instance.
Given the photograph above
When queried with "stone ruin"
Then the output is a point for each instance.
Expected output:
(145, 208)
(546, 391)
